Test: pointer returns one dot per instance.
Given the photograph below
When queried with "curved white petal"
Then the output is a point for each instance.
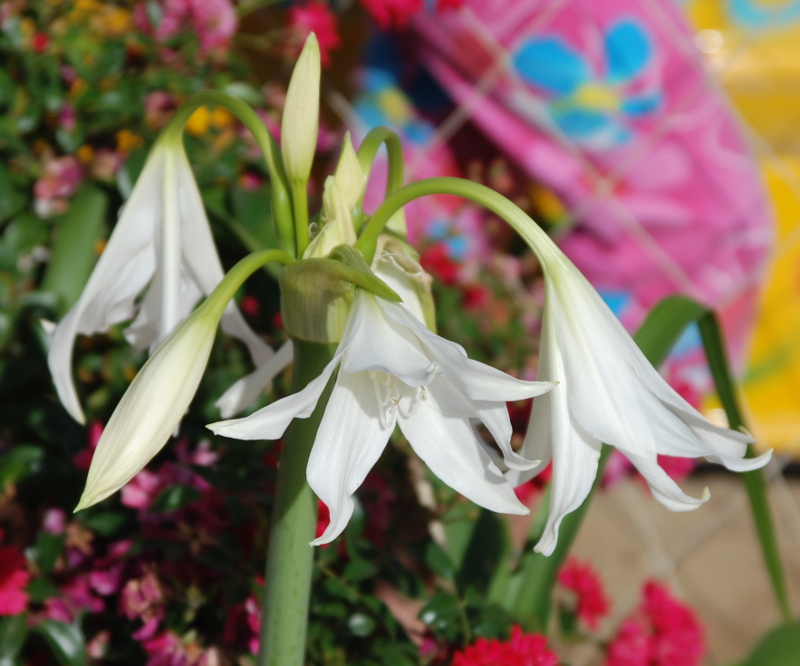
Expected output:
(450, 448)
(199, 258)
(121, 273)
(376, 343)
(475, 380)
(151, 408)
(575, 452)
(271, 421)
(249, 387)
(664, 489)
(350, 439)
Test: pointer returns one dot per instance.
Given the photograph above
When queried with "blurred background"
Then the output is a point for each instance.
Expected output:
(655, 140)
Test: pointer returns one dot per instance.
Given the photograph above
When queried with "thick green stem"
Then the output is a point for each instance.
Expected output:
(368, 149)
(281, 203)
(300, 207)
(290, 559)
(536, 238)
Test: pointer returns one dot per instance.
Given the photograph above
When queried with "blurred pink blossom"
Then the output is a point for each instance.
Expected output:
(313, 16)
(60, 178)
(661, 632)
(14, 578)
(213, 21)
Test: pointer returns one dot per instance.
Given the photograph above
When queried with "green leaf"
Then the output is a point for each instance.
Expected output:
(18, 462)
(174, 498)
(13, 630)
(65, 640)
(360, 624)
(105, 523)
(439, 562)
(779, 647)
(47, 550)
(73, 253)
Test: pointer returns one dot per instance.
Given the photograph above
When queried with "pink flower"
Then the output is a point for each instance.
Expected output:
(59, 181)
(521, 650)
(392, 13)
(83, 459)
(76, 596)
(167, 649)
(143, 598)
(316, 17)
(581, 578)
(213, 21)
(661, 632)
(14, 577)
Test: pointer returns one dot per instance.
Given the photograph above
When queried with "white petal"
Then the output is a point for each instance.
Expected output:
(349, 442)
(201, 261)
(248, 388)
(450, 448)
(151, 408)
(121, 273)
(476, 380)
(376, 343)
(271, 421)
(664, 489)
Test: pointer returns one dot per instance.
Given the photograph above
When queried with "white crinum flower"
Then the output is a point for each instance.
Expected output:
(608, 392)
(394, 371)
(163, 240)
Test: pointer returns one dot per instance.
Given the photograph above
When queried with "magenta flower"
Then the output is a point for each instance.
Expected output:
(14, 578)
(582, 579)
(520, 650)
(316, 17)
(661, 632)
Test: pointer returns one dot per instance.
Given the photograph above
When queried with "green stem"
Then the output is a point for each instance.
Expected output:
(368, 149)
(281, 204)
(536, 238)
(755, 482)
(290, 559)
(300, 206)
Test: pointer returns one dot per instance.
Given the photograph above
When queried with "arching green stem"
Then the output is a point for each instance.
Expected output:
(537, 239)
(281, 202)
(394, 147)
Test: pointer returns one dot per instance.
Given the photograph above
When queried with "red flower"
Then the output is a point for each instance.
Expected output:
(661, 632)
(313, 17)
(437, 261)
(392, 13)
(14, 577)
(521, 650)
(583, 580)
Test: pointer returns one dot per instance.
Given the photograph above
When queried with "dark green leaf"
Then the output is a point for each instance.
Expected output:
(65, 640)
(47, 550)
(174, 498)
(18, 462)
(13, 630)
(439, 562)
(104, 523)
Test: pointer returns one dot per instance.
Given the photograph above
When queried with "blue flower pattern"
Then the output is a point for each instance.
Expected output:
(594, 109)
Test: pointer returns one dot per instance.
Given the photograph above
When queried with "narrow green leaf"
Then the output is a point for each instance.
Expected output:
(65, 640)
(18, 462)
(173, 498)
(755, 482)
(73, 250)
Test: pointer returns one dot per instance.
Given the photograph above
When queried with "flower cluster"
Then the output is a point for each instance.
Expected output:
(521, 650)
(661, 632)
(582, 580)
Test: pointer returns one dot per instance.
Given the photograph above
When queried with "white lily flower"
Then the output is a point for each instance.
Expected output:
(609, 392)
(394, 371)
(162, 239)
